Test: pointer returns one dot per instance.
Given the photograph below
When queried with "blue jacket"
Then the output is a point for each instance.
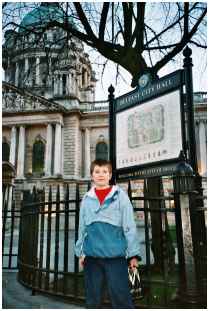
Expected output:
(107, 230)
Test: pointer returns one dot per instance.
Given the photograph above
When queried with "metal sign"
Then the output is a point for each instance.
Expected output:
(159, 87)
(149, 129)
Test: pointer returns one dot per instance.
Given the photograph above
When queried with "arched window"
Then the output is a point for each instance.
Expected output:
(102, 151)
(64, 84)
(53, 84)
(38, 157)
(5, 151)
(83, 77)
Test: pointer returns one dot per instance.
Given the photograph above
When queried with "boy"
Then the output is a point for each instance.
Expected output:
(107, 238)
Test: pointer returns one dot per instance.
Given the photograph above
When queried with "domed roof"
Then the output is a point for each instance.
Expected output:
(46, 12)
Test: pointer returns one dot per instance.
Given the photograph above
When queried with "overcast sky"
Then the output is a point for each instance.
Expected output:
(200, 74)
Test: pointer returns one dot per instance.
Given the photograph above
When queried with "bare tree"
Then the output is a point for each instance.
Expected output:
(138, 36)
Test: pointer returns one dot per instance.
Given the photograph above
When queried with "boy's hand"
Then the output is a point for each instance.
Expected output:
(81, 261)
(133, 263)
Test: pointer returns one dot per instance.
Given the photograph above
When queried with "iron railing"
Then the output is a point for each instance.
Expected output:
(10, 229)
(49, 229)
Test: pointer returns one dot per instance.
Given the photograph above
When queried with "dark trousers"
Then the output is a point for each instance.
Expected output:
(111, 272)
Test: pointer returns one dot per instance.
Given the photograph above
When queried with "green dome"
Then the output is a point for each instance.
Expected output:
(42, 15)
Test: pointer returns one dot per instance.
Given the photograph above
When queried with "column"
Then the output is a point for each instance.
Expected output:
(27, 71)
(62, 150)
(50, 71)
(12, 160)
(17, 74)
(21, 153)
(9, 193)
(67, 85)
(12, 155)
(205, 125)
(38, 71)
(203, 150)
(60, 85)
(8, 71)
(6, 75)
(197, 123)
(70, 83)
(188, 289)
(87, 153)
(58, 149)
(86, 78)
(48, 154)
(73, 88)
(55, 84)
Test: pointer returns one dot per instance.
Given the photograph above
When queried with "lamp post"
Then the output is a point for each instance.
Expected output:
(184, 176)
(190, 108)
(183, 187)
(112, 155)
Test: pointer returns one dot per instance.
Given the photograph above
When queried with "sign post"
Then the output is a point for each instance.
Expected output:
(112, 131)
(190, 109)
(150, 128)
(147, 128)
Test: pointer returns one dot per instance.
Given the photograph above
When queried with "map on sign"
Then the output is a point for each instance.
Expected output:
(149, 132)
(146, 127)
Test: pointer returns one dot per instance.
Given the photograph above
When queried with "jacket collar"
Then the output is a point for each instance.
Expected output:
(91, 193)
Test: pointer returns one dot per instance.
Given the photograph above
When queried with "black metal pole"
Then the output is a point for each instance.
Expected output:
(76, 261)
(196, 202)
(77, 212)
(112, 156)
(190, 109)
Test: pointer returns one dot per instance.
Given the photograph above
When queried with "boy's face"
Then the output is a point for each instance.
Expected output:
(101, 176)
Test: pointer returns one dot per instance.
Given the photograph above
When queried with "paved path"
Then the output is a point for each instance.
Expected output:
(17, 296)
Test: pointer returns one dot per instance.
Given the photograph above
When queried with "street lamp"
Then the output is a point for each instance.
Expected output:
(184, 176)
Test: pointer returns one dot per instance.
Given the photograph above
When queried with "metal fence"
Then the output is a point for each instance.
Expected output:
(10, 229)
(173, 266)
(49, 230)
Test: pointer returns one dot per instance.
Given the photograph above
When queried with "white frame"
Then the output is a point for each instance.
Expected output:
(163, 139)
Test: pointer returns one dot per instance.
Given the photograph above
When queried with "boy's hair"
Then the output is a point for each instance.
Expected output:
(100, 162)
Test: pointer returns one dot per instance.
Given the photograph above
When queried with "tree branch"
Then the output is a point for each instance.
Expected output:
(179, 46)
(186, 19)
(158, 41)
(127, 18)
(139, 27)
(161, 47)
(103, 20)
(169, 27)
(84, 20)
(198, 44)
(179, 18)
(113, 24)
(150, 58)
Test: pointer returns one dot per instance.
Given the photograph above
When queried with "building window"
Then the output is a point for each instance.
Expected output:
(102, 151)
(64, 84)
(83, 77)
(53, 85)
(44, 82)
(5, 151)
(55, 38)
(38, 157)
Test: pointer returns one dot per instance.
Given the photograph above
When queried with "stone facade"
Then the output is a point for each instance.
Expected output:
(69, 137)
(72, 145)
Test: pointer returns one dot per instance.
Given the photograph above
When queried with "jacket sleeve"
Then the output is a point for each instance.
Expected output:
(129, 226)
(81, 232)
